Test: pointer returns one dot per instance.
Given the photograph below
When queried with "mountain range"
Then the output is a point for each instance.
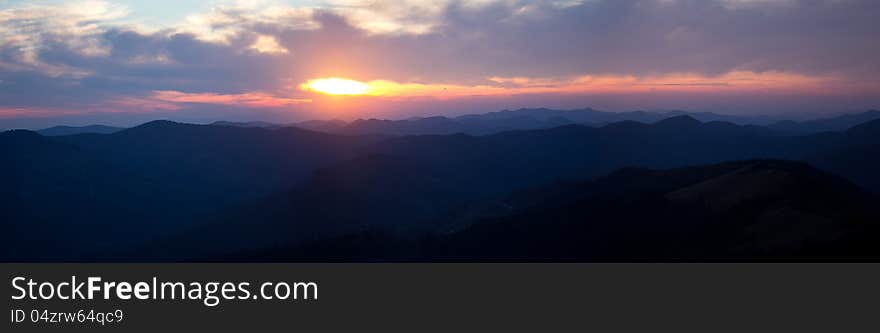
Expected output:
(71, 130)
(170, 191)
(520, 119)
(525, 119)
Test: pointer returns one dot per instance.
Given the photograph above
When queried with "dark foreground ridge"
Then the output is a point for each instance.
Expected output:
(741, 211)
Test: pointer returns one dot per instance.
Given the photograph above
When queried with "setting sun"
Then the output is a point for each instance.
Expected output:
(336, 86)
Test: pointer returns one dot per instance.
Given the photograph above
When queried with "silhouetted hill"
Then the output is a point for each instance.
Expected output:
(857, 158)
(507, 120)
(542, 118)
(432, 125)
(526, 158)
(71, 130)
(581, 116)
(372, 191)
(261, 124)
(221, 160)
(868, 132)
(17, 141)
(327, 126)
(678, 122)
(46, 185)
(597, 118)
(531, 157)
(157, 178)
(739, 211)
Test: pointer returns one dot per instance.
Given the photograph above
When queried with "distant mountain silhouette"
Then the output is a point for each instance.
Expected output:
(227, 160)
(430, 125)
(542, 118)
(261, 124)
(519, 119)
(506, 120)
(519, 158)
(593, 117)
(71, 130)
(327, 126)
(835, 124)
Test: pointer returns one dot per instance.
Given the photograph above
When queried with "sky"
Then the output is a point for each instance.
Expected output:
(127, 62)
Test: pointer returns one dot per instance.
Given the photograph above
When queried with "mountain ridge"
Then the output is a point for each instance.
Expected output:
(166, 178)
(72, 130)
(524, 118)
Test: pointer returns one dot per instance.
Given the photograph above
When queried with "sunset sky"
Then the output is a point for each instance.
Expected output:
(126, 62)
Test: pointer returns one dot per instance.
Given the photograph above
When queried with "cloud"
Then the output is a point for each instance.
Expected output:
(473, 39)
(27, 30)
(732, 82)
(226, 22)
(268, 44)
(94, 56)
(18, 112)
(751, 4)
(251, 99)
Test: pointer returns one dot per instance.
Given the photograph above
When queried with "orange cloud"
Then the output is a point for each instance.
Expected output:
(122, 104)
(139, 104)
(251, 99)
(737, 82)
(28, 112)
(167, 100)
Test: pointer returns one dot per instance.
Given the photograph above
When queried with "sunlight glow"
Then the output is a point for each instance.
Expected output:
(731, 82)
(336, 86)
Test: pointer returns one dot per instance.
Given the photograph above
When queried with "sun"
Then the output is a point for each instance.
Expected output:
(336, 86)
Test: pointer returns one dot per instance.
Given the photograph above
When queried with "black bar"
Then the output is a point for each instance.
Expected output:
(485, 297)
